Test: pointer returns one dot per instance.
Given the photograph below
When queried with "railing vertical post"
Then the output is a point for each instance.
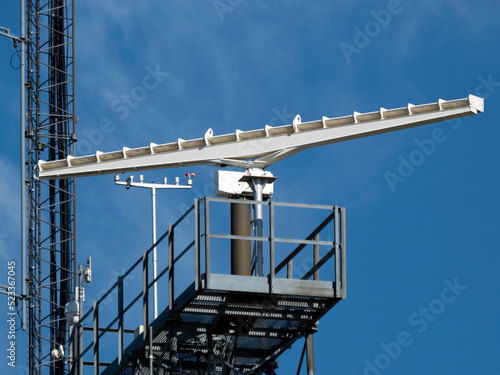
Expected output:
(150, 354)
(196, 244)
(207, 244)
(271, 246)
(145, 294)
(289, 269)
(337, 251)
(343, 242)
(120, 319)
(171, 268)
(316, 257)
(96, 338)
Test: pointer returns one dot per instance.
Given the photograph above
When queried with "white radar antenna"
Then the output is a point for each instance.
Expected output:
(255, 150)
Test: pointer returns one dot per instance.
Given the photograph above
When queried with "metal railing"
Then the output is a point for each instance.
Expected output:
(336, 219)
(118, 286)
(202, 248)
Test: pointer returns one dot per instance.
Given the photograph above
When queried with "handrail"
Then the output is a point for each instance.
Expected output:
(168, 267)
(269, 202)
(95, 308)
(318, 265)
(275, 239)
(102, 331)
(202, 228)
(138, 261)
(299, 248)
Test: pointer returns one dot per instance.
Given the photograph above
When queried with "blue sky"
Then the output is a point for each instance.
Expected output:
(257, 63)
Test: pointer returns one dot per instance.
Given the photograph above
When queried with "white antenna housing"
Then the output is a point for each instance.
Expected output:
(262, 147)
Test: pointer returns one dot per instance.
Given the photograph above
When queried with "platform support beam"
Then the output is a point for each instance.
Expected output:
(174, 355)
(310, 354)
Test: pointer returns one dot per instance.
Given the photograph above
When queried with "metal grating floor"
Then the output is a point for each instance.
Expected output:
(247, 325)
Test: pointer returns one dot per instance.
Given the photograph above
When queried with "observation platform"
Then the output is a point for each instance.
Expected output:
(221, 322)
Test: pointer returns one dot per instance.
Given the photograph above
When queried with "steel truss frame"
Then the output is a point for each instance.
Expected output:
(50, 133)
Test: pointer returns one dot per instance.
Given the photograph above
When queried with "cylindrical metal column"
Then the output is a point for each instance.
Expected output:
(241, 250)
(310, 354)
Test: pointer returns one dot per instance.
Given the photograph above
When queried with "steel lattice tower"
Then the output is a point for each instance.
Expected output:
(50, 134)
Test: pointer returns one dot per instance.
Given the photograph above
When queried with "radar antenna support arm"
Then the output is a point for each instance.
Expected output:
(262, 147)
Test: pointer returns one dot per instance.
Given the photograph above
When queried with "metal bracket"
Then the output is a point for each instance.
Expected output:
(6, 33)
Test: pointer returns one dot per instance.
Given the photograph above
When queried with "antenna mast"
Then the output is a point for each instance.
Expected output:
(50, 133)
